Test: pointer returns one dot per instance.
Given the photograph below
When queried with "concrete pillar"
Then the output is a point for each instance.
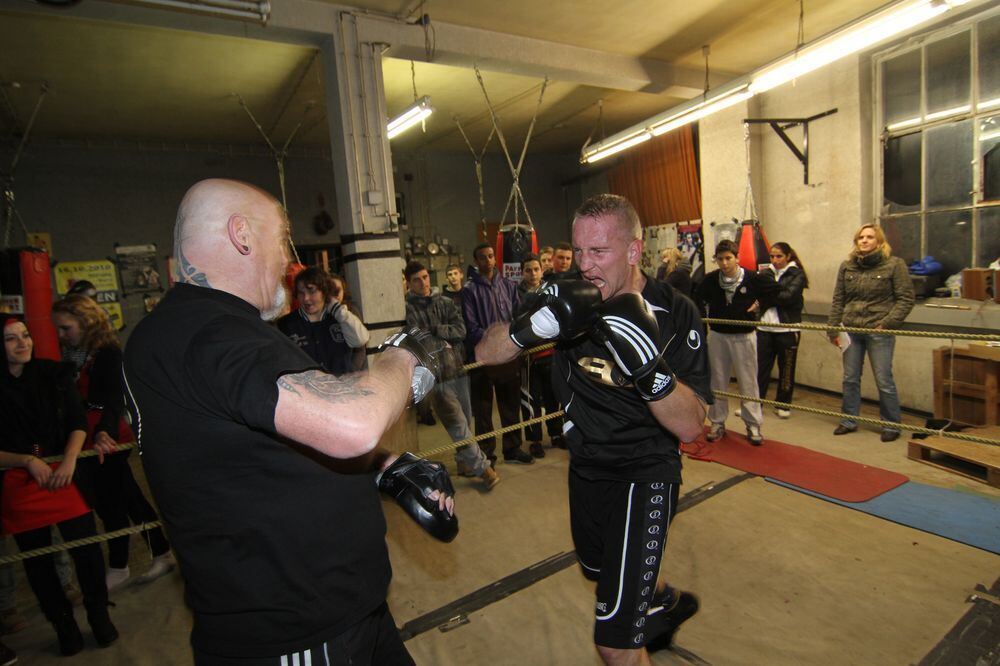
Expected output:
(362, 166)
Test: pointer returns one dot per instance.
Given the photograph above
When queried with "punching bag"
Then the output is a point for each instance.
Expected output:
(26, 273)
(514, 243)
(754, 251)
(290, 274)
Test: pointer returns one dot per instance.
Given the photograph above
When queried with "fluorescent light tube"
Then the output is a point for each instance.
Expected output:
(849, 40)
(412, 115)
(697, 113)
(601, 153)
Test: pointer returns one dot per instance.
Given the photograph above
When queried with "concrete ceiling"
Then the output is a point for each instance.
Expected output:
(117, 81)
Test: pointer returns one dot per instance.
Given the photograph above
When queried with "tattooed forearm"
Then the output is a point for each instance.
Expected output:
(322, 385)
(188, 273)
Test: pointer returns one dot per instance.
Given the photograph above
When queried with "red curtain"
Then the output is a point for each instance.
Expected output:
(660, 178)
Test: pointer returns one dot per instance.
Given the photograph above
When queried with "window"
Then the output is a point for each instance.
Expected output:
(938, 109)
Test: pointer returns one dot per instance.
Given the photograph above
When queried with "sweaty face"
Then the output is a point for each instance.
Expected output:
(455, 278)
(486, 262)
(17, 343)
(68, 328)
(603, 254)
(728, 263)
(867, 241)
(310, 298)
(562, 260)
(420, 283)
(532, 273)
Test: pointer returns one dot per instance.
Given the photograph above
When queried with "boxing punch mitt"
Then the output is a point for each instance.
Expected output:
(563, 309)
(627, 328)
(410, 481)
(427, 350)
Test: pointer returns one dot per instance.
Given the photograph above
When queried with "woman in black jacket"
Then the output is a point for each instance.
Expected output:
(776, 342)
(42, 416)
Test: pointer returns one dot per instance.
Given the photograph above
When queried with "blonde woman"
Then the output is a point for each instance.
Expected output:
(873, 291)
(675, 270)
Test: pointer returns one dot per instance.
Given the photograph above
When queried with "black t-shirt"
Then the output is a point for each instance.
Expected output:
(614, 436)
(278, 552)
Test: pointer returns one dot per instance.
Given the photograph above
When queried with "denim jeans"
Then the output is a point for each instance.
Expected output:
(879, 348)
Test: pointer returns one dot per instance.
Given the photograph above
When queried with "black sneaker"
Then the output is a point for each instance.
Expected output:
(7, 656)
(105, 632)
(518, 455)
(68, 632)
(536, 450)
(684, 607)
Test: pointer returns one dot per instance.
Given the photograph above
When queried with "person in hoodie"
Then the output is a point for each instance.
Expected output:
(776, 342)
(488, 298)
(439, 316)
(324, 326)
(873, 291)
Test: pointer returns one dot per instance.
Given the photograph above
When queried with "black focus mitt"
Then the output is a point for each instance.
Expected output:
(411, 481)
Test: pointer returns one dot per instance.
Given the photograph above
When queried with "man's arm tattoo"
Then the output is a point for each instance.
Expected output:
(345, 388)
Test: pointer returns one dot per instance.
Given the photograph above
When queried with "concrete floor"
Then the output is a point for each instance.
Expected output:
(784, 578)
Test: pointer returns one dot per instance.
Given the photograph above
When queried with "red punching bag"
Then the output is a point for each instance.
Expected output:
(290, 273)
(36, 288)
(514, 243)
(754, 250)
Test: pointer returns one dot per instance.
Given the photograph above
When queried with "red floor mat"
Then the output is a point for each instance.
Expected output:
(834, 477)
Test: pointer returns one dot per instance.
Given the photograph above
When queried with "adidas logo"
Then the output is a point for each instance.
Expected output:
(660, 382)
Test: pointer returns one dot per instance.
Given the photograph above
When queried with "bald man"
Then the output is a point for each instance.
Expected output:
(249, 449)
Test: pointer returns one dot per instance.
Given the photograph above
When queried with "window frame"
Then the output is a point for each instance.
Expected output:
(881, 134)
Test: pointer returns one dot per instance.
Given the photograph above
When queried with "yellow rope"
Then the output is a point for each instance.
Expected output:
(86, 541)
(861, 419)
(857, 329)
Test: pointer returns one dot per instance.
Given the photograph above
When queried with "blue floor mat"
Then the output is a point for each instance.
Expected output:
(962, 517)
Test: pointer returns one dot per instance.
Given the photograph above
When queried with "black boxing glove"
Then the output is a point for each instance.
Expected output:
(410, 481)
(628, 329)
(562, 309)
(427, 350)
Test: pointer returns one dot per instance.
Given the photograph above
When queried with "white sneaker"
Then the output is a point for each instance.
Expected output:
(782, 413)
(716, 431)
(162, 565)
(116, 578)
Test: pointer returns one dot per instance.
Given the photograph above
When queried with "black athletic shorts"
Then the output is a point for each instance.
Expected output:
(619, 530)
(374, 641)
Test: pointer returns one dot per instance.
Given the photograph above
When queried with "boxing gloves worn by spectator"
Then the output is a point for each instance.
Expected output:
(426, 349)
(627, 328)
(411, 481)
(562, 309)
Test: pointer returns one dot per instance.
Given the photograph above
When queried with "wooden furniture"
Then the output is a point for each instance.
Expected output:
(970, 459)
(979, 284)
(965, 384)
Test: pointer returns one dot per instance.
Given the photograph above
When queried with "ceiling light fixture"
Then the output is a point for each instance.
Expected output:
(255, 10)
(617, 147)
(866, 32)
(412, 115)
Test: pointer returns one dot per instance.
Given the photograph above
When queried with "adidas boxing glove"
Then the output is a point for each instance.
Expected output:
(628, 329)
(562, 309)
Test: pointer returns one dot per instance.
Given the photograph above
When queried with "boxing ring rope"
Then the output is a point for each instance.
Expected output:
(445, 448)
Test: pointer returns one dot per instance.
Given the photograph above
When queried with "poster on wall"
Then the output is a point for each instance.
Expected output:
(102, 275)
(99, 273)
(137, 268)
(691, 243)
